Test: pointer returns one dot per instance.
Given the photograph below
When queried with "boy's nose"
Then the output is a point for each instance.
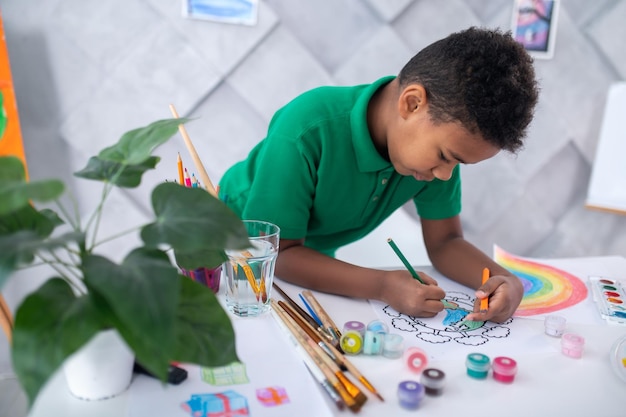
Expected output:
(443, 172)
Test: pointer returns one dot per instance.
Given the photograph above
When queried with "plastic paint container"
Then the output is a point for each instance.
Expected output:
(555, 325)
(351, 342)
(618, 358)
(410, 394)
(572, 345)
(504, 369)
(355, 326)
(433, 381)
(416, 359)
(477, 365)
(393, 346)
(373, 343)
(377, 326)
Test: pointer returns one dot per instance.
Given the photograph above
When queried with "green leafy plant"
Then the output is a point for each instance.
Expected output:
(162, 315)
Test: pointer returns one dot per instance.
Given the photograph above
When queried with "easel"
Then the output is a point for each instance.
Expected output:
(606, 187)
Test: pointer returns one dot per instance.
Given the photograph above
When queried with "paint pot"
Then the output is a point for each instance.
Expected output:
(410, 394)
(393, 346)
(355, 326)
(416, 359)
(351, 342)
(433, 381)
(477, 365)
(572, 345)
(372, 343)
(378, 326)
(504, 369)
(554, 325)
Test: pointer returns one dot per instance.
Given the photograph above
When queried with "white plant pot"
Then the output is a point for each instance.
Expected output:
(101, 369)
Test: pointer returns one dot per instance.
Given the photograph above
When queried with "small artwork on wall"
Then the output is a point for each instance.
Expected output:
(534, 26)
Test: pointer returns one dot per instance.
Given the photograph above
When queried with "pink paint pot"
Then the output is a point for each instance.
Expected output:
(572, 345)
(504, 369)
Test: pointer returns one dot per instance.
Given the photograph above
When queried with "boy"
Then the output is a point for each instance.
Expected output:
(337, 161)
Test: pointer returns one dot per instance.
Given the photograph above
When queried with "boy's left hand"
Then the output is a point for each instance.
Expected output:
(505, 293)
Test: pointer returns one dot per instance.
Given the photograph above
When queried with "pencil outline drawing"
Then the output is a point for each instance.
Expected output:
(453, 327)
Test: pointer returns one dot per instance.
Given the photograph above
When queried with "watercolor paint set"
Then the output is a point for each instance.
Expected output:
(610, 299)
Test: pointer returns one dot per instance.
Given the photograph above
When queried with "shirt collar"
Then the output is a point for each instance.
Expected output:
(368, 158)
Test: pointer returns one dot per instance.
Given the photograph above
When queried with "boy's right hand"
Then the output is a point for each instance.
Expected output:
(408, 296)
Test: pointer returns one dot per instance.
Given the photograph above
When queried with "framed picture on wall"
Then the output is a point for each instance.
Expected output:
(534, 26)
(224, 11)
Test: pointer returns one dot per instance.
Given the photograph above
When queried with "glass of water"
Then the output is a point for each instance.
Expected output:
(249, 273)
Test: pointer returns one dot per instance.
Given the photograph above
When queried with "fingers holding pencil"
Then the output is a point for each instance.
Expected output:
(405, 295)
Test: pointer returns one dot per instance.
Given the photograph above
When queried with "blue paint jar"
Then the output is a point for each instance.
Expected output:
(410, 394)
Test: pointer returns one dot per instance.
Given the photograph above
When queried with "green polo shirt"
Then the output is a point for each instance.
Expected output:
(318, 176)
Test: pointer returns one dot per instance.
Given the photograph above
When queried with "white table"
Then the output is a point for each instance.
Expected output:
(546, 384)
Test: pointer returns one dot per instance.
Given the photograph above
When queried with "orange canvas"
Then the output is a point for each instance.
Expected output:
(11, 137)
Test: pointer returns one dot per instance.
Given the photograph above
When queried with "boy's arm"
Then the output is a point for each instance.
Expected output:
(309, 268)
(461, 261)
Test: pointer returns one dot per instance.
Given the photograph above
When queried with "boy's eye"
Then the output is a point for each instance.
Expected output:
(443, 157)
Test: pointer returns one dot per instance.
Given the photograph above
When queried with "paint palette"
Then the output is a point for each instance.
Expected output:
(610, 298)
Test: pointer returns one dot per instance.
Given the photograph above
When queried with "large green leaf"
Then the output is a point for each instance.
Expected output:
(143, 294)
(209, 258)
(16, 193)
(122, 175)
(135, 146)
(28, 218)
(50, 325)
(19, 249)
(190, 219)
(204, 333)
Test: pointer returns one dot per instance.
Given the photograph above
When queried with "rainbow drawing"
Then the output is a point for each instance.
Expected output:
(546, 289)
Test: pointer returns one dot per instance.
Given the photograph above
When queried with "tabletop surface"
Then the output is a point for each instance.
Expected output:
(547, 381)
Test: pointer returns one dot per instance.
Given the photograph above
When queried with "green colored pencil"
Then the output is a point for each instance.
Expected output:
(403, 259)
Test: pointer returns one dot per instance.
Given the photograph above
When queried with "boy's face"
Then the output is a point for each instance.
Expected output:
(426, 150)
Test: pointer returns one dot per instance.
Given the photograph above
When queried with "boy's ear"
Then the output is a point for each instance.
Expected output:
(412, 99)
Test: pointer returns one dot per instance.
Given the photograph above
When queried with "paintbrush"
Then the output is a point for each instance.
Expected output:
(332, 377)
(303, 314)
(6, 319)
(337, 356)
(311, 332)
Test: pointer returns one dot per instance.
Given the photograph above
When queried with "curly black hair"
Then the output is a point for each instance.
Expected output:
(481, 78)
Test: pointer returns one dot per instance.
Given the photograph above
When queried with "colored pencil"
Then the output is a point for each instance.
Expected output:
(484, 303)
(187, 179)
(404, 260)
(194, 156)
(179, 162)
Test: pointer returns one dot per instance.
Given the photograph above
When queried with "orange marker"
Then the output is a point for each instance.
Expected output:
(484, 303)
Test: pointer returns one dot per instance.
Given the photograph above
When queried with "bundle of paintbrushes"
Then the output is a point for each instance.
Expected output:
(317, 343)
